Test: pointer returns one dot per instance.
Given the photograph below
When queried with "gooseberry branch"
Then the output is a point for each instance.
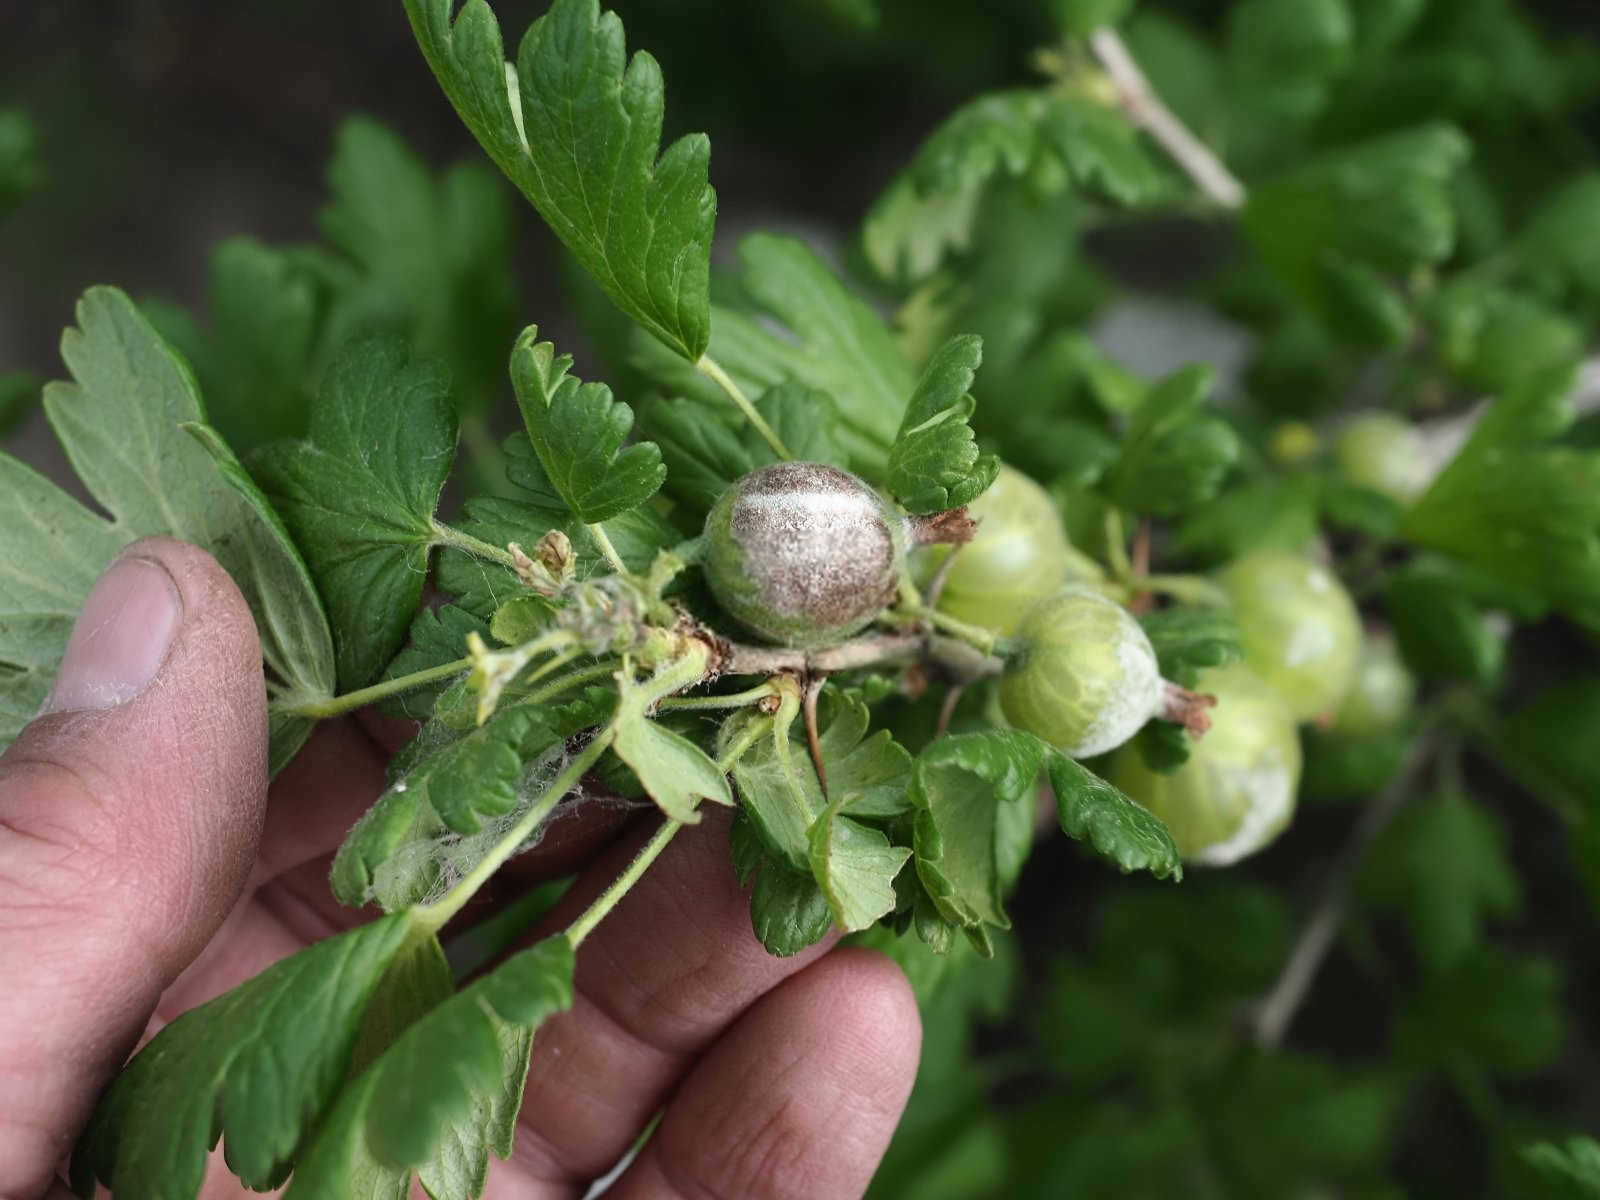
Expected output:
(1276, 1011)
(1147, 110)
(960, 660)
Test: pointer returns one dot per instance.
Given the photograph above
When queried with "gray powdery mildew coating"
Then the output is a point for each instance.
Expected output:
(817, 544)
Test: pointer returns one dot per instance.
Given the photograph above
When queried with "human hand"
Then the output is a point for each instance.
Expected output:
(145, 868)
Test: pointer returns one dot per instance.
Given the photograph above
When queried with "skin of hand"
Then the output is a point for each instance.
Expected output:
(145, 867)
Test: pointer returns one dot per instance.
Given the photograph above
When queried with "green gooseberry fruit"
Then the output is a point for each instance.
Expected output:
(1292, 442)
(1019, 555)
(1382, 692)
(1237, 791)
(1085, 678)
(803, 554)
(1299, 628)
(1385, 454)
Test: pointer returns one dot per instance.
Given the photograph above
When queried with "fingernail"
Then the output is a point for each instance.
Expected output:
(121, 637)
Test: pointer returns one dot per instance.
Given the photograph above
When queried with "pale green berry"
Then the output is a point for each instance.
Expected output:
(1384, 454)
(1019, 555)
(1298, 626)
(1237, 791)
(803, 554)
(1085, 678)
(1380, 698)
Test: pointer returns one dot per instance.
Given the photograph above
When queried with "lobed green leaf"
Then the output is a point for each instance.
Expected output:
(577, 126)
(1336, 227)
(446, 808)
(258, 1067)
(577, 431)
(1524, 513)
(788, 911)
(831, 340)
(1575, 1163)
(782, 799)
(675, 772)
(855, 866)
(1175, 454)
(1191, 639)
(122, 424)
(1116, 828)
(934, 463)
(974, 795)
(428, 255)
(446, 1094)
(1442, 866)
(359, 495)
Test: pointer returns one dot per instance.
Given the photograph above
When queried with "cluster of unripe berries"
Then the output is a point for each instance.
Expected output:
(807, 555)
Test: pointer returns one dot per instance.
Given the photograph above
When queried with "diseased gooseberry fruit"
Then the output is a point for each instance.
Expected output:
(1019, 556)
(1384, 454)
(1086, 678)
(1298, 627)
(1381, 694)
(1237, 791)
(802, 553)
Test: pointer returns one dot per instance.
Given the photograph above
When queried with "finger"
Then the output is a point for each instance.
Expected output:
(129, 815)
(659, 979)
(799, 1099)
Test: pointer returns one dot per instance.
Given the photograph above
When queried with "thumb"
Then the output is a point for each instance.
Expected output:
(129, 814)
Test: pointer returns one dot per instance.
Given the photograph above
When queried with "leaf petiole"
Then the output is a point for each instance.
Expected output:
(601, 670)
(752, 733)
(711, 369)
(494, 670)
(598, 533)
(736, 700)
(445, 535)
(608, 899)
(333, 706)
(652, 850)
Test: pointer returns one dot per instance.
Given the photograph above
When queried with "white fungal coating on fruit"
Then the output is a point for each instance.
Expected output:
(1087, 679)
(803, 554)
(1237, 791)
